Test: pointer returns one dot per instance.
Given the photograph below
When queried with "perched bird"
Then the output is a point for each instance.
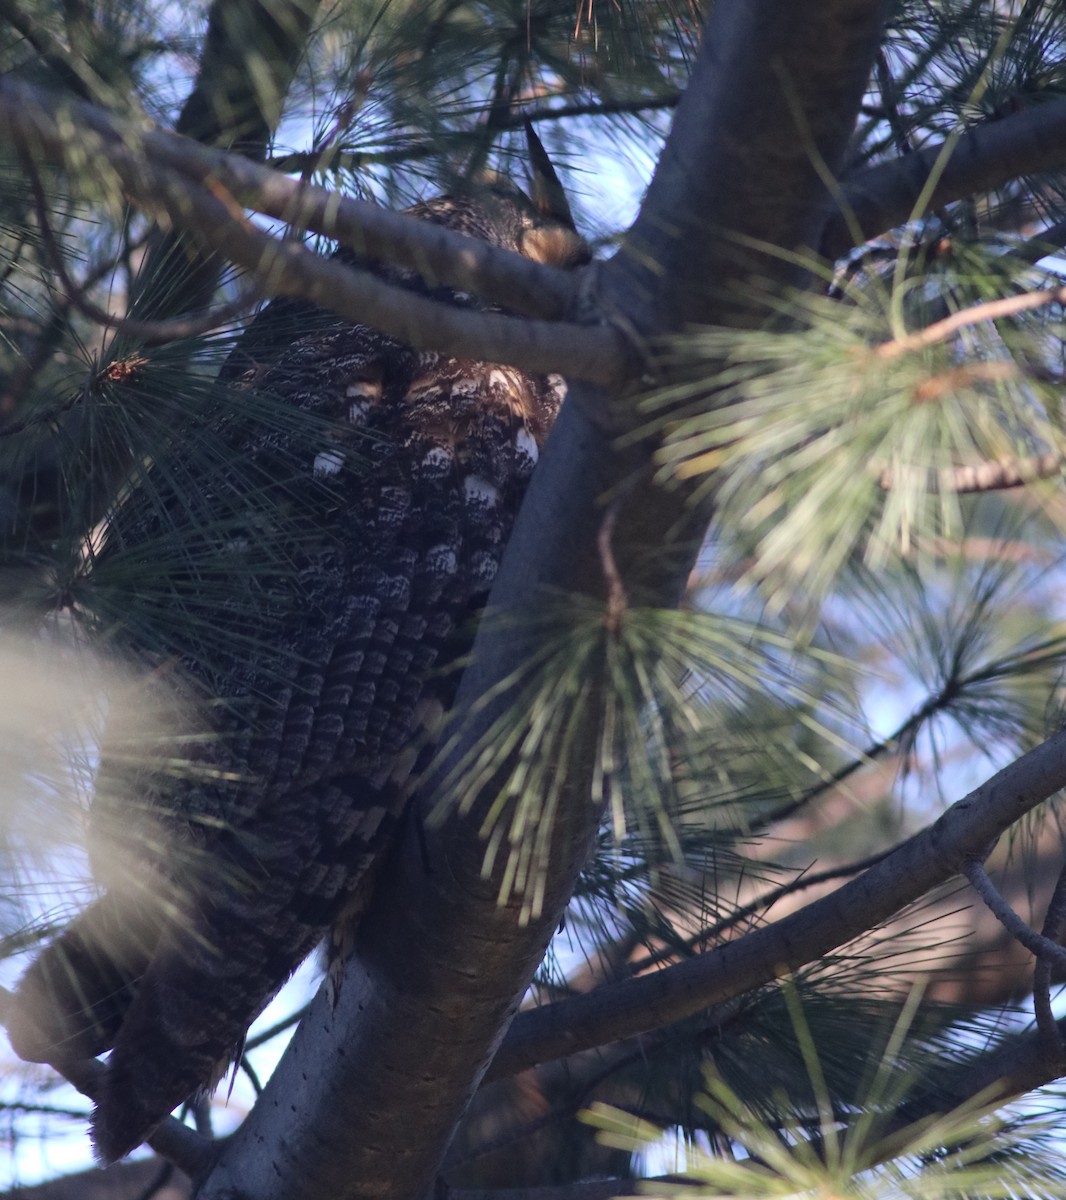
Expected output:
(323, 555)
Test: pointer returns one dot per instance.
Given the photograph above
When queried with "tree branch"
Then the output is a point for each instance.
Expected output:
(287, 267)
(1038, 945)
(928, 859)
(882, 197)
(440, 255)
(992, 476)
(1054, 923)
(990, 310)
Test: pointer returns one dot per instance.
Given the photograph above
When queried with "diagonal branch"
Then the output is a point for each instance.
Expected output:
(879, 198)
(287, 267)
(440, 255)
(990, 310)
(925, 861)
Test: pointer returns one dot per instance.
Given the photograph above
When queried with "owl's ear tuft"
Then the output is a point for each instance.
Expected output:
(549, 199)
(556, 246)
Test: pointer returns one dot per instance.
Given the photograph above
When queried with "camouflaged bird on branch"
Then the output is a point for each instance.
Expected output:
(330, 561)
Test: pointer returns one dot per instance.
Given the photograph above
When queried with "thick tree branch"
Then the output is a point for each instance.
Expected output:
(288, 268)
(774, 91)
(925, 861)
(882, 197)
(439, 255)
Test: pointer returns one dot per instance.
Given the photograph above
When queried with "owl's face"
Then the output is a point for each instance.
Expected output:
(504, 217)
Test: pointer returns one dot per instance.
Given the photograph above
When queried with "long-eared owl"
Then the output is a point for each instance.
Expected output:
(321, 557)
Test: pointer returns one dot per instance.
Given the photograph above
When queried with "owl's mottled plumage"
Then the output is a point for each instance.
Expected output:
(385, 513)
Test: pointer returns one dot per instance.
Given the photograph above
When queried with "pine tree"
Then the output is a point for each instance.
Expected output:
(750, 788)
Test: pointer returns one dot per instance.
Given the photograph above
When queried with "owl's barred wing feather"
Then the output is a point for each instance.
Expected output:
(384, 516)
(437, 508)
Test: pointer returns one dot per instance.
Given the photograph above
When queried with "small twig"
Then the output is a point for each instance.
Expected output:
(253, 1078)
(616, 591)
(899, 742)
(279, 1027)
(1054, 924)
(201, 1116)
(46, 1110)
(1043, 947)
(603, 108)
(992, 310)
(989, 476)
(942, 383)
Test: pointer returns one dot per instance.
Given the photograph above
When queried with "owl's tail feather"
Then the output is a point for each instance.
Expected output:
(188, 1021)
(72, 1000)
(159, 1060)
